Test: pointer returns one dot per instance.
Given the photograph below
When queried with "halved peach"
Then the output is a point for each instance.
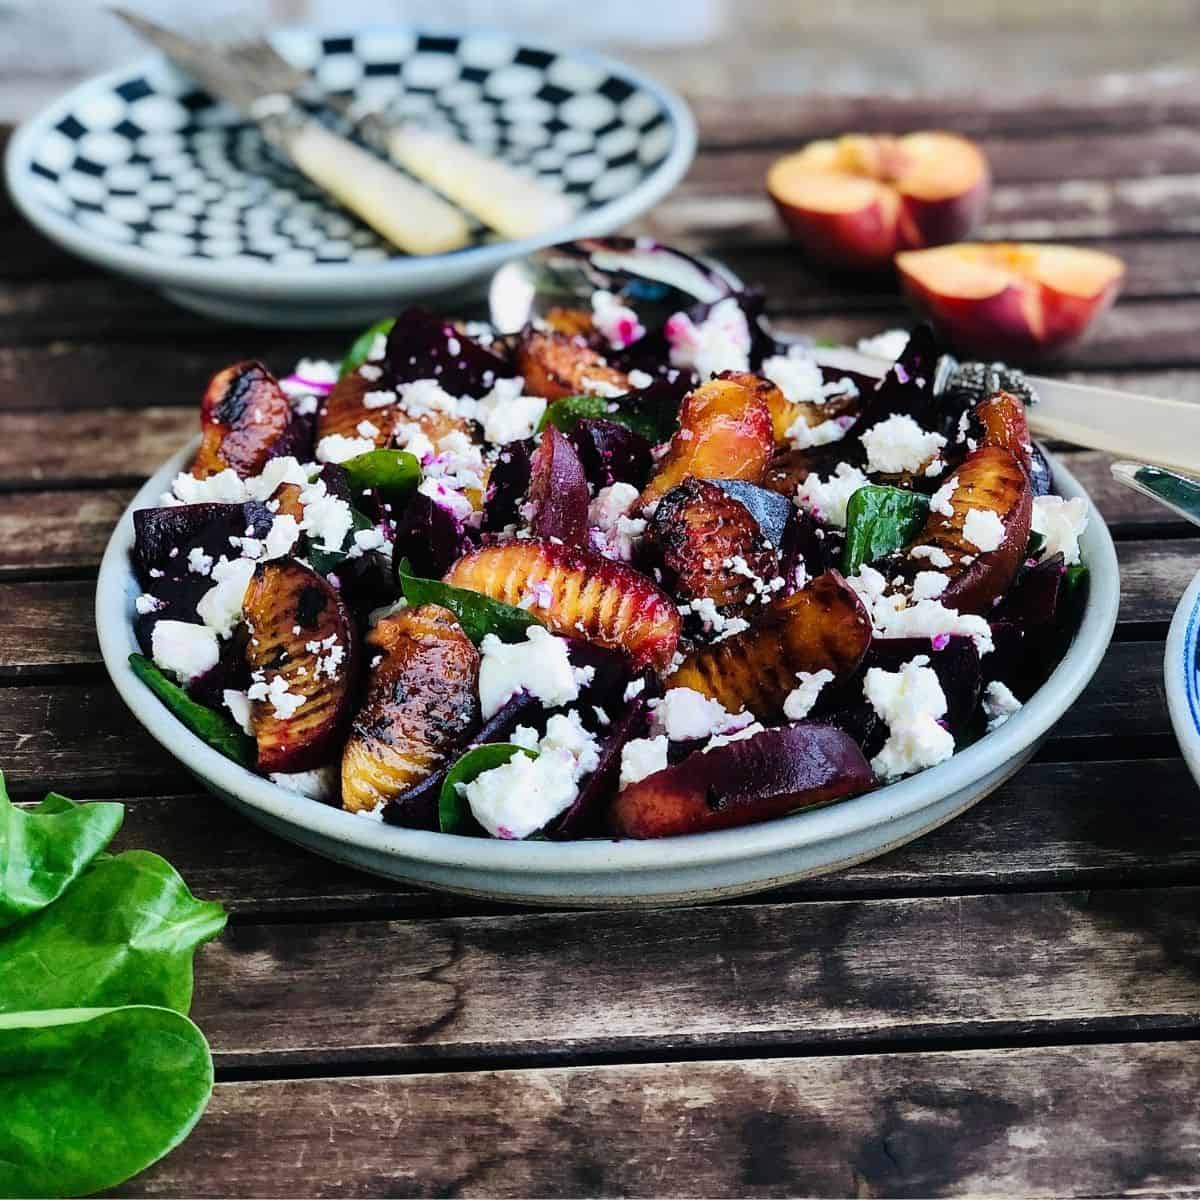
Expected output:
(1010, 298)
(725, 432)
(855, 200)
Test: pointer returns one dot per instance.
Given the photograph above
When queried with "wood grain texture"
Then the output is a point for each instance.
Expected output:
(1070, 1120)
(50, 533)
(1055, 825)
(795, 975)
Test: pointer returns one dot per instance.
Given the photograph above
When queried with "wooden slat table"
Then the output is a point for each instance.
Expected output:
(1010, 1005)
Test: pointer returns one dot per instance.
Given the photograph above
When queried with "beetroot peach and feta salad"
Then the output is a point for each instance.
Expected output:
(603, 576)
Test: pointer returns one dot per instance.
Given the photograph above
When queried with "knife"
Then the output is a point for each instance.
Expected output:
(409, 215)
(1163, 432)
(1176, 492)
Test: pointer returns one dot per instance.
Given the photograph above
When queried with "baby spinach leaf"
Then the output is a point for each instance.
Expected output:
(478, 615)
(324, 561)
(123, 933)
(206, 723)
(454, 813)
(878, 521)
(44, 850)
(394, 474)
(90, 1097)
(361, 347)
(652, 412)
(566, 413)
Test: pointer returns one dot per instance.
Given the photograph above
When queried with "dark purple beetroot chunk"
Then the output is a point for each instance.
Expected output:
(611, 453)
(558, 491)
(507, 487)
(431, 537)
(422, 346)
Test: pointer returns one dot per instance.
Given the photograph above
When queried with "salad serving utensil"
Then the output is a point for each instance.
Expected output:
(1155, 430)
(410, 216)
(1179, 493)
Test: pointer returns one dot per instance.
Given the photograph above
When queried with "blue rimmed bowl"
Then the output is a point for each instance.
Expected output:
(143, 172)
(1181, 672)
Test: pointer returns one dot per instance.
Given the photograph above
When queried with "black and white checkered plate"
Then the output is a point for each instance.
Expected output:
(142, 172)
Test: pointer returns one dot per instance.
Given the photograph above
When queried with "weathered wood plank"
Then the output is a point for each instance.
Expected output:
(49, 624)
(47, 532)
(1055, 825)
(735, 976)
(1067, 1120)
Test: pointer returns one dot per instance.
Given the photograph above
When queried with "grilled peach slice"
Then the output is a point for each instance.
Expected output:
(244, 418)
(556, 365)
(574, 322)
(992, 483)
(785, 413)
(701, 533)
(725, 432)
(1002, 416)
(343, 410)
(303, 653)
(285, 502)
(577, 594)
(422, 703)
(754, 779)
(822, 627)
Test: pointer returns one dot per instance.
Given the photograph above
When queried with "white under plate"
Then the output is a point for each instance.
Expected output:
(141, 171)
(703, 866)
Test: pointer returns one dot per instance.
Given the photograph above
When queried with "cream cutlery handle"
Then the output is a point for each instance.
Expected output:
(512, 203)
(407, 214)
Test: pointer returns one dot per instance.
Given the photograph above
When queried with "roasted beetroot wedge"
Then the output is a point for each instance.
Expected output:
(245, 419)
(824, 627)
(577, 594)
(708, 542)
(556, 365)
(754, 779)
(422, 704)
(303, 652)
(725, 432)
(994, 486)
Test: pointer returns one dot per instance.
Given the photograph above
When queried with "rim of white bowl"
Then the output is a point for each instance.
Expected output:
(369, 279)
(116, 587)
(1179, 675)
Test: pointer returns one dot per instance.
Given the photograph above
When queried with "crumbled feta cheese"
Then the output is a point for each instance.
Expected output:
(327, 519)
(634, 689)
(892, 616)
(1060, 522)
(365, 429)
(198, 562)
(220, 608)
(366, 540)
(335, 448)
(378, 349)
(372, 374)
(617, 324)
(146, 604)
(225, 487)
(275, 472)
(238, 704)
(800, 700)
(935, 555)
(803, 436)
(942, 500)
(723, 739)
(713, 620)
(507, 415)
(887, 345)
(797, 375)
(183, 649)
(900, 444)
(381, 398)
(281, 537)
(685, 715)
(612, 531)
(983, 528)
(422, 397)
(929, 585)
(328, 663)
(539, 665)
(642, 757)
(640, 379)
(519, 797)
(285, 704)
(826, 499)
(319, 784)
(998, 704)
(448, 497)
(411, 437)
(721, 342)
(317, 370)
(912, 703)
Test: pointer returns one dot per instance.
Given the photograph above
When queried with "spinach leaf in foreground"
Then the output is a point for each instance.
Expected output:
(394, 474)
(42, 851)
(90, 1097)
(454, 813)
(566, 413)
(124, 933)
(652, 412)
(206, 723)
(478, 614)
(878, 521)
(360, 350)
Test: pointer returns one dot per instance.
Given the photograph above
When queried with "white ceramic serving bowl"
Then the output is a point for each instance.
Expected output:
(1180, 673)
(703, 866)
(143, 173)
